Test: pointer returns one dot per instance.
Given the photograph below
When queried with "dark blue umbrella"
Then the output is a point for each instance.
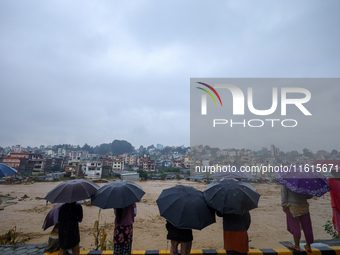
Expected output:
(303, 180)
(72, 191)
(185, 208)
(230, 196)
(117, 194)
(6, 170)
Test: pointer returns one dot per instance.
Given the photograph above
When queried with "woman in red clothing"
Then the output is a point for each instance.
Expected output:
(235, 234)
(335, 198)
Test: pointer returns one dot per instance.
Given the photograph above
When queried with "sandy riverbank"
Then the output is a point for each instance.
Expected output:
(268, 225)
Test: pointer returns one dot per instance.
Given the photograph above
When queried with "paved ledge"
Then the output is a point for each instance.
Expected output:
(38, 249)
(326, 250)
(22, 249)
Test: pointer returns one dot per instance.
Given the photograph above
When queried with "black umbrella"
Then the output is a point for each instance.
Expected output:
(185, 208)
(230, 196)
(117, 194)
(230, 174)
(72, 191)
(52, 217)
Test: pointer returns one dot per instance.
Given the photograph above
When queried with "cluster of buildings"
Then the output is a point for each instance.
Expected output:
(75, 162)
(81, 163)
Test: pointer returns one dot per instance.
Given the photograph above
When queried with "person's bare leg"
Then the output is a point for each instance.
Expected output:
(174, 247)
(297, 243)
(186, 248)
(75, 250)
(296, 246)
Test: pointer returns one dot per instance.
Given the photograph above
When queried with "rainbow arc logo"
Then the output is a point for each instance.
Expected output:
(208, 92)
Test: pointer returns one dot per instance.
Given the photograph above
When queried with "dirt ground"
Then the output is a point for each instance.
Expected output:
(267, 229)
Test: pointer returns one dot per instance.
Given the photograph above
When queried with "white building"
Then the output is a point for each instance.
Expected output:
(49, 152)
(92, 169)
(232, 153)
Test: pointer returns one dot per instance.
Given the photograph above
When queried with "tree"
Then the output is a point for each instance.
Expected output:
(166, 150)
(150, 147)
(143, 174)
(87, 148)
(103, 149)
(334, 152)
(307, 153)
(180, 150)
(171, 169)
(119, 147)
(142, 150)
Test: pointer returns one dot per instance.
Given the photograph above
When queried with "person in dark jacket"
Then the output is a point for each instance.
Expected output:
(235, 234)
(70, 215)
(179, 236)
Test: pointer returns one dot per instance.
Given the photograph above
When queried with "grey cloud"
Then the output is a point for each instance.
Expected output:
(82, 71)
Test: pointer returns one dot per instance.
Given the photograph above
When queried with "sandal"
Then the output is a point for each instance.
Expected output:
(308, 250)
(292, 247)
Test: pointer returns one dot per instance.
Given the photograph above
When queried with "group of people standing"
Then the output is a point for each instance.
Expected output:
(235, 235)
(70, 214)
(235, 226)
(65, 234)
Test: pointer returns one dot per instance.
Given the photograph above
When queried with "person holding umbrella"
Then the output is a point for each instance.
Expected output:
(179, 236)
(299, 183)
(296, 208)
(70, 214)
(122, 196)
(184, 209)
(235, 235)
(232, 200)
(51, 219)
(122, 236)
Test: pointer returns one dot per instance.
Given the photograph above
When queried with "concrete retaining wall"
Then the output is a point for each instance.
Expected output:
(329, 250)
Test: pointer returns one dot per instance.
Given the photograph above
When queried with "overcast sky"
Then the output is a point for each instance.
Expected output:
(79, 72)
